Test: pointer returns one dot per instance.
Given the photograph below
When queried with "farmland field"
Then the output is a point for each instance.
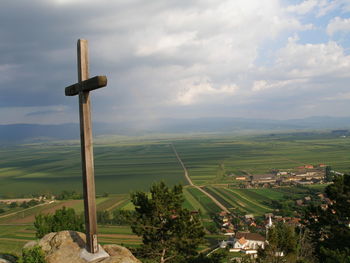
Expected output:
(123, 167)
(134, 165)
(41, 168)
(208, 160)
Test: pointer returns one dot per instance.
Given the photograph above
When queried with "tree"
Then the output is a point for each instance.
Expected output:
(329, 227)
(24, 205)
(282, 238)
(169, 232)
(13, 205)
(63, 219)
(329, 175)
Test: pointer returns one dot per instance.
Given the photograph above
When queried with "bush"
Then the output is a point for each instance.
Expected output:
(24, 205)
(66, 195)
(32, 255)
(13, 205)
(63, 219)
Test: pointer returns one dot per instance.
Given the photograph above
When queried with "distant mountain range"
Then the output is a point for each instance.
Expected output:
(30, 132)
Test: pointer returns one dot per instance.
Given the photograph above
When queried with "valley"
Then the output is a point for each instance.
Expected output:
(213, 163)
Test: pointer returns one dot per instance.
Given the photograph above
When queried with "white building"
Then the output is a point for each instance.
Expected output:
(248, 242)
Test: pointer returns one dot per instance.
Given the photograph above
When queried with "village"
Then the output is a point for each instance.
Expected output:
(247, 234)
(301, 175)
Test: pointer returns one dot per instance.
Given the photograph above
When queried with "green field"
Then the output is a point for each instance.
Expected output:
(123, 167)
(40, 168)
(207, 160)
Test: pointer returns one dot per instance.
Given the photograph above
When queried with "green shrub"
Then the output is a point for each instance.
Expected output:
(32, 255)
(63, 219)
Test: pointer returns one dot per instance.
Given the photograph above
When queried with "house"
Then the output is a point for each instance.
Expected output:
(321, 196)
(241, 178)
(307, 198)
(223, 213)
(249, 216)
(229, 232)
(294, 221)
(324, 207)
(248, 242)
(263, 178)
(299, 202)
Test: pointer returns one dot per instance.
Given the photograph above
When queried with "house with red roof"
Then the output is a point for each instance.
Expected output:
(248, 243)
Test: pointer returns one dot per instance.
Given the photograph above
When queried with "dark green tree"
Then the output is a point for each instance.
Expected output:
(329, 175)
(287, 243)
(13, 205)
(63, 219)
(169, 232)
(103, 217)
(330, 227)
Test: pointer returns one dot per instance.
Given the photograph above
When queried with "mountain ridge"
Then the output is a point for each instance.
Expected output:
(23, 132)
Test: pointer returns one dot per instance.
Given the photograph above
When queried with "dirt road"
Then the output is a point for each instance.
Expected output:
(192, 184)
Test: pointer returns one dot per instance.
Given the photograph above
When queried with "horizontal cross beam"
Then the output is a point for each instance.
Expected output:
(86, 85)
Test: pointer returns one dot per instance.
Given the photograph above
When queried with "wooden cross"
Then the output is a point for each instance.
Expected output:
(82, 88)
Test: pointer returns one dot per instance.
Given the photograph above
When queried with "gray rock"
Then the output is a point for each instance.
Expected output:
(119, 254)
(5, 258)
(66, 247)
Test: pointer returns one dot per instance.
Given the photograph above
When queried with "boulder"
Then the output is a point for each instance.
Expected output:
(5, 258)
(69, 246)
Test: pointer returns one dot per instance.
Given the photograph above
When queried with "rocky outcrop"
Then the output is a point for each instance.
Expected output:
(68, 247)
(4, 258)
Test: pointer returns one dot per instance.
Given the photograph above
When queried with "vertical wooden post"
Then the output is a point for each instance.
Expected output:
(87, 150)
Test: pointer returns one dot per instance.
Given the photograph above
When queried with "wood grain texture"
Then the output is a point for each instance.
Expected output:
(87, 150)
(86, 85)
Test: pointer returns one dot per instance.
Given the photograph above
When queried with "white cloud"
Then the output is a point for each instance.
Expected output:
(338, 96)
(160, 56)
(338, 24)
(304, 7)
(164, 44)
(327, 6)
(320, 7)
(216, 41)
(311, 60)
(261, 85)
(203, 91)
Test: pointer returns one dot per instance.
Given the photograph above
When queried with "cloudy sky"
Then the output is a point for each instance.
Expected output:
(274, 59)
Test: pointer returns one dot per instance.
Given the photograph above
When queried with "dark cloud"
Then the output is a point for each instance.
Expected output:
(165, 58)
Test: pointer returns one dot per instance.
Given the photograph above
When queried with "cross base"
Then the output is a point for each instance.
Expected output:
(84, 254)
